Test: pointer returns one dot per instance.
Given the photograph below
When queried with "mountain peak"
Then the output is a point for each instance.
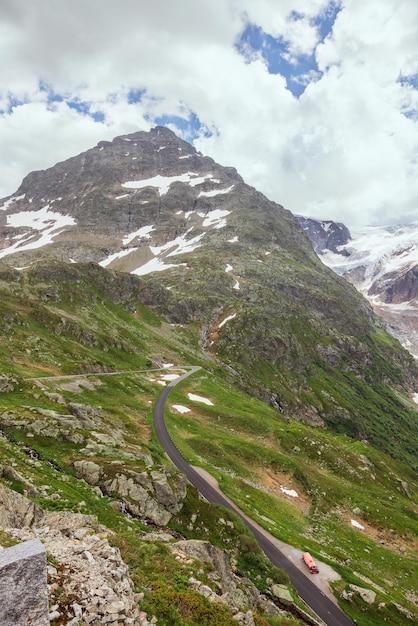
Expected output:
(94, 205)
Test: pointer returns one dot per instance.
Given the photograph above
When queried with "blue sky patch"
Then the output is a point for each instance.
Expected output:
(325, 21)
(12, 103)
(85, 109)
(254, 42)
(75, 103)
(410, 83)
(275, 53)
(189, 128)
(135, 95)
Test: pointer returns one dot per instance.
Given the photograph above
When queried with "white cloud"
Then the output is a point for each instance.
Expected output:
(347, 149)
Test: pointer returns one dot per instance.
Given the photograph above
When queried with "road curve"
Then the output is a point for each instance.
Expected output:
(324, 608)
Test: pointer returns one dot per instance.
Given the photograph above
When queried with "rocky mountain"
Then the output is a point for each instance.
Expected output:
(142, 254)
(325, 235)
(215, 252)
(123, 204)
(382, 263)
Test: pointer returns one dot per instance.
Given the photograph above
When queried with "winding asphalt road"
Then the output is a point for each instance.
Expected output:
(324, 608)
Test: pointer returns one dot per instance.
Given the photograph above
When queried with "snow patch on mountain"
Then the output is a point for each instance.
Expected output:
(215, 192)
(227, 319)
(141, 233)
(180, 408)
(180, 245)
(116, 256)
(155, 265)
(8, 202)
(163, 182)
(378, 251)
(356, 524)
(39, 220)
(215, 218)
(289, 492)
(49, 225)
(193, 396)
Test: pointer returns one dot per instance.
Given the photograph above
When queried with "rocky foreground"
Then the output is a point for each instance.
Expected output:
(89, 581)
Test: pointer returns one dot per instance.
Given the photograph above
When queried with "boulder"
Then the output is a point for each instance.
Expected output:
(367, 595)
(11, 474)
(231, 595)
(83, 412)
(68, 522)
(7, 383)
(88, 470)
(17, 511)
(24, 591)
(90, 572)
(245, 619)
(207, 553)
(282, 593)
(156, 496)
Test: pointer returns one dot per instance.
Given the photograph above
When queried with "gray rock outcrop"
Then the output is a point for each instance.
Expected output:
(88, 470)
(16, 510)
(7, 383)
(282, 593)
(156, 495)
(236, 593)
(367, 595)
(23, 588)
(87, 569)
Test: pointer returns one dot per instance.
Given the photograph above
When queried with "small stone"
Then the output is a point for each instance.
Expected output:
(81, 533)
(78, 612)
(115, 607)
(54, 615)
(88, 556)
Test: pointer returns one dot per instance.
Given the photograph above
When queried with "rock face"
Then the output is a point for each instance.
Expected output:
(282, 593)
(367, 595)
(88, 470)
(16, 510)
(87, 570)
(7, 383)
(325, 235)
(237, 594)
(381, 263)
(89, 582)
(155, 496)
(23, 586)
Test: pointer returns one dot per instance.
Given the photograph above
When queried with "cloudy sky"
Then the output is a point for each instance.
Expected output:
(315, 102)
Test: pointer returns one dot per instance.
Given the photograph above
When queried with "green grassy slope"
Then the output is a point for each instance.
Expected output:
(84, 321)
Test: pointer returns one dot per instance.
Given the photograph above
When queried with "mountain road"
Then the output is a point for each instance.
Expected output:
(327, 610)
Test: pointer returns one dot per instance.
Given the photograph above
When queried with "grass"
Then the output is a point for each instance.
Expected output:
(341, 471)
(336, 475)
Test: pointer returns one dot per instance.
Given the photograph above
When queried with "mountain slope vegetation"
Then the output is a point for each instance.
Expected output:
(142, 253)
(85, 324)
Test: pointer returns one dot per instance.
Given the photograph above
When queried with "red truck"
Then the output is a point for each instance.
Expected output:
(312, 566)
